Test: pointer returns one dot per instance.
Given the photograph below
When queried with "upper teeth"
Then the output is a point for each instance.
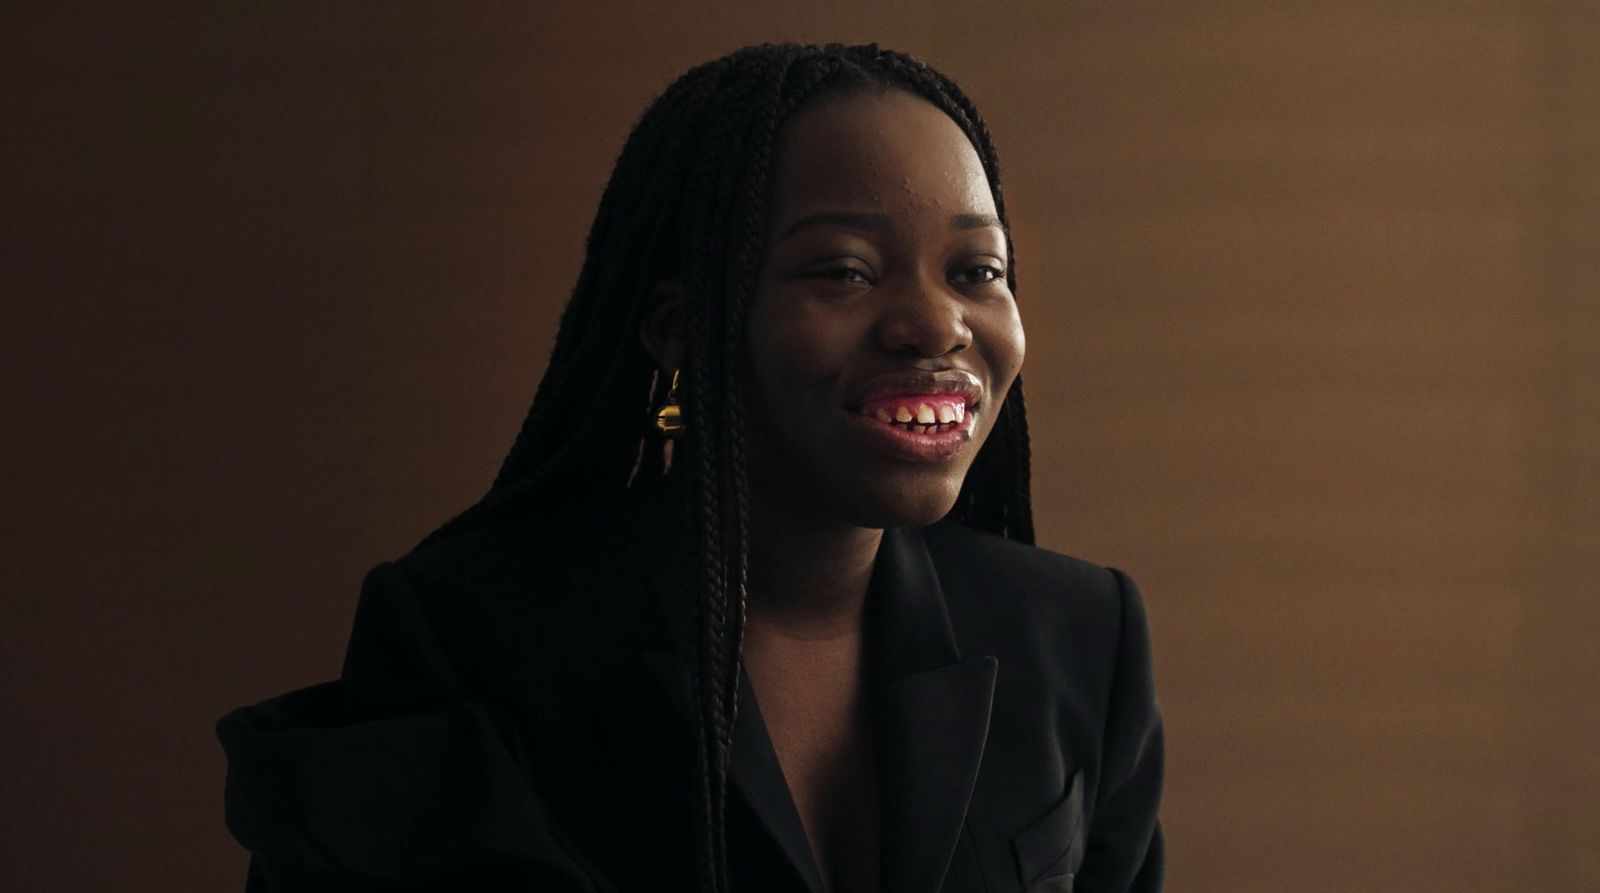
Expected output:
(922, 413)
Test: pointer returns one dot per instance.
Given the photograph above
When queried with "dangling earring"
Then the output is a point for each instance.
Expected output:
(669, 421)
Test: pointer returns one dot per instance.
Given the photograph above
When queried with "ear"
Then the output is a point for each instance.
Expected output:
(662, 332)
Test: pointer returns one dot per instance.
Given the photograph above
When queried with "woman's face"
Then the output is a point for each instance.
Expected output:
(882, 336)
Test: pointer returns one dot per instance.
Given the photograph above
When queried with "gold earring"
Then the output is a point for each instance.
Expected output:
(669, 419)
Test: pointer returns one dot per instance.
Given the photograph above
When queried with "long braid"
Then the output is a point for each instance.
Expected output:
(687, 202)
(704, 318)
(750, 198)
(721, 525)
(633, 221)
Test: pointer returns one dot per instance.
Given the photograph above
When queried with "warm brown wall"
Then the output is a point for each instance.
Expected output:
(1311, 302)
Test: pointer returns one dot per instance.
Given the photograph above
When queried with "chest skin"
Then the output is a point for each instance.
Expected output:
(814, 700)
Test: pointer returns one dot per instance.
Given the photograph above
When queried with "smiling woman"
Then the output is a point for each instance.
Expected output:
(882, 312)
(815, 650)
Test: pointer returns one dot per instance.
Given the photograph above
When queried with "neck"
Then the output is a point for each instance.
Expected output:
(809, 580)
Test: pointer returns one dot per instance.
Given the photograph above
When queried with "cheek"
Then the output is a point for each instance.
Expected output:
(797, 343)
(1004, 345)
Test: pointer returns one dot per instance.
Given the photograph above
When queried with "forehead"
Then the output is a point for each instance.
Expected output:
(885, 151)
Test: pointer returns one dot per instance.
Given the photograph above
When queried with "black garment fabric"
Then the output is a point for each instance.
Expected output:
(515, 713)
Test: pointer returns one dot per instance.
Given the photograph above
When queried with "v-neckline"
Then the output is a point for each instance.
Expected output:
(931, 712)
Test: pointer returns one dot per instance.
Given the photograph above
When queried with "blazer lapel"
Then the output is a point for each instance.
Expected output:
(932, 719)
(932, 716)
(754, 773)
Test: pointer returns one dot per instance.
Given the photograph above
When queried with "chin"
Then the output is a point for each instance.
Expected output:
(912, 506)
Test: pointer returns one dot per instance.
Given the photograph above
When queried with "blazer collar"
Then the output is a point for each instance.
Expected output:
(932, 718)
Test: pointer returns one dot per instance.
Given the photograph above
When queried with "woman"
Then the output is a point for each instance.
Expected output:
(752, 603)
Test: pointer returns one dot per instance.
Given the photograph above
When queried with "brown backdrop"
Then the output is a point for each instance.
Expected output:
(1313, 327)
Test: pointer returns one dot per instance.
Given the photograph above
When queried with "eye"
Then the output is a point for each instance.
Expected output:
(847, 274)
(981, 274)
(843, 273)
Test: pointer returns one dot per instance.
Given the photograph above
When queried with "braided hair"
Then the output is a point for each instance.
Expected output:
(687, 203)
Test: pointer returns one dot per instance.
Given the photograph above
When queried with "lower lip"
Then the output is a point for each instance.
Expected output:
(911, 446)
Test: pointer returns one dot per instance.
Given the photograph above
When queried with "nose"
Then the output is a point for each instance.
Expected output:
(925, 319)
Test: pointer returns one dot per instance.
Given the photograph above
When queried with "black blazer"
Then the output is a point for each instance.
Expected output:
(515, 707)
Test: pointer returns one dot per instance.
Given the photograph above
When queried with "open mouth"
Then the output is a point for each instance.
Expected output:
(919, 427)
(920, 414)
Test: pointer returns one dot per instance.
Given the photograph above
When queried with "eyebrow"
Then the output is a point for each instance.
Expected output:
(975, 221)
(838, 218)
(878, 222)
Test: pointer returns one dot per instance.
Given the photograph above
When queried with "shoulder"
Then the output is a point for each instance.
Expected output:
(511, 565)
(1048, 587)
(491, 556)
(1060, 620)
(963, 549)
(524, 600)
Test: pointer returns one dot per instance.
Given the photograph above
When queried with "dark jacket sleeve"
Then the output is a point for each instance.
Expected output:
(1125, 843)
(389, 779)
